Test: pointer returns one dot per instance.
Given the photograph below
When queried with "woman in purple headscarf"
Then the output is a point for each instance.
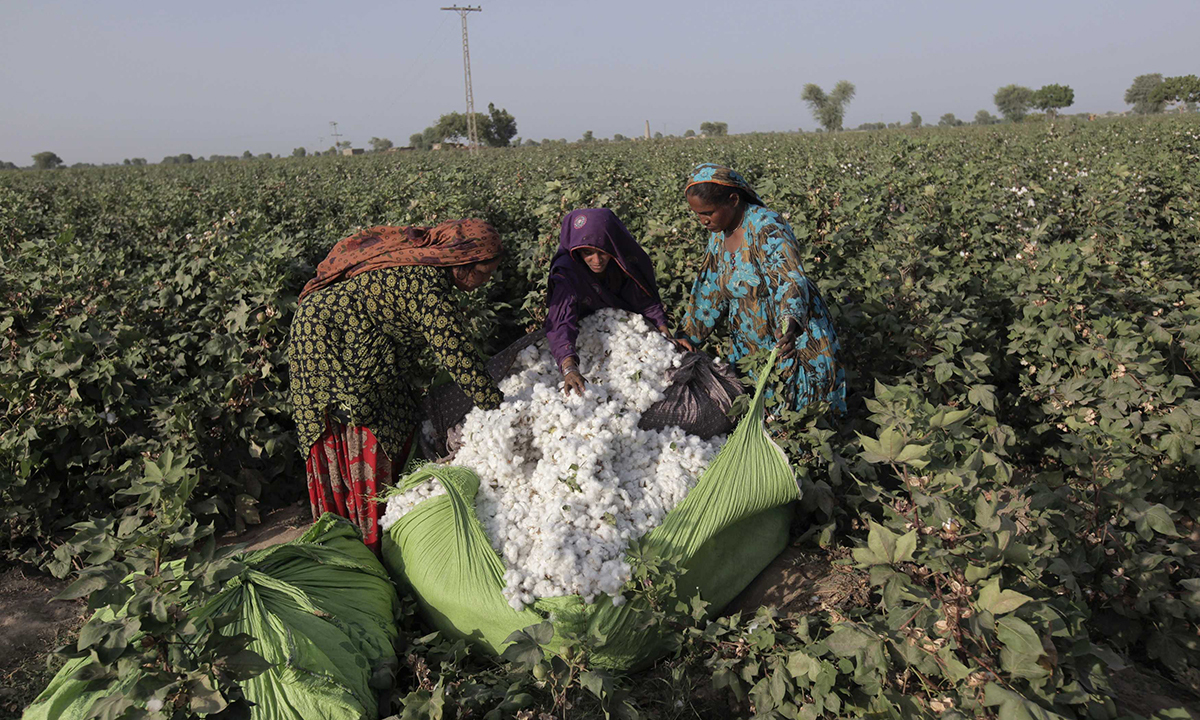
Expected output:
(598, 265)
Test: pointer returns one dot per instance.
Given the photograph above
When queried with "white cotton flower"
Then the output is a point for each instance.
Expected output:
(568, 481)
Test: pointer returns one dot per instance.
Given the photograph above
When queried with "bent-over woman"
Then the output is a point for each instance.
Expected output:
(752, 278)
(380, 298)
(598, 265)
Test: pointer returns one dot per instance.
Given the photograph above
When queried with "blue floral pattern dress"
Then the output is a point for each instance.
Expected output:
(755, 289)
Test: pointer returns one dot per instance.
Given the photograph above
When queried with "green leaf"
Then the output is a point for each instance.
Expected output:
(801, 664)
(1018, 636)
(905, 546)
(83, 587)
(913, 455)
(542, 633)
(597, 683)
(998, 602)
(882, 542)
(846, 640)
(526, 648)
(1014, 706)
(205, 697)
(1158, 517)
(943, 372)
(983, 396)
(247, 664)
(891, 442)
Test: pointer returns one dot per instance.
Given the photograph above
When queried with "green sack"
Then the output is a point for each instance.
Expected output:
(321, 609)
(730, 526)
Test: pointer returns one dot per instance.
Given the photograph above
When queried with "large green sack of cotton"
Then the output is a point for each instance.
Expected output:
(322, 611)
(726, 530)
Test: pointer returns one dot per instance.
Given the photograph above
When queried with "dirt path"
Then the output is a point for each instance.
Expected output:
(31, 625)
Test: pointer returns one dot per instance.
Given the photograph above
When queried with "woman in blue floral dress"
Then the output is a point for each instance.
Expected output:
(752, 278)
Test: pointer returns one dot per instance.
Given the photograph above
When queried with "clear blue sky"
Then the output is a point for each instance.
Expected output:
(103, 80)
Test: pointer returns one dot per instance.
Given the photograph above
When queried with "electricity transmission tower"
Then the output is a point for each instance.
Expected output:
(337, 137)
(472, 129)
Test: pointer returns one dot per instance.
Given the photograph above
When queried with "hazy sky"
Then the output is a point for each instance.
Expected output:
(103, 80)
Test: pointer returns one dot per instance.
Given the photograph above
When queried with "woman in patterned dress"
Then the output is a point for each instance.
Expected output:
(380, 298)
(598, 265)
(753, 279)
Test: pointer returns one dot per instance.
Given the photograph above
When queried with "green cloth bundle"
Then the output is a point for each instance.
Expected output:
(730, 526)
(322, 611)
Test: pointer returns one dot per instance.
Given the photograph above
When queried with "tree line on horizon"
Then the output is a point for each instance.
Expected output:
(1148, 94)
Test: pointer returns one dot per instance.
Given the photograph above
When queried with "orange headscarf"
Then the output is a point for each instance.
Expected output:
(457, 242)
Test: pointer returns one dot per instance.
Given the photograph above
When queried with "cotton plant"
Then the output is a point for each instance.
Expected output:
(567, 482)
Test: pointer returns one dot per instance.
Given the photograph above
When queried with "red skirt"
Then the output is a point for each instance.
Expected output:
(347, 469)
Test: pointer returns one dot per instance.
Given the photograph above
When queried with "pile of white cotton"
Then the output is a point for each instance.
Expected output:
(567, 482)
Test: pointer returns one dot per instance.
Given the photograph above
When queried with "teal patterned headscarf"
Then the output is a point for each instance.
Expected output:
(721, 175)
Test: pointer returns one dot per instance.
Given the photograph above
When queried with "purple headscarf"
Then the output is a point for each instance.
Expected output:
(576, 292)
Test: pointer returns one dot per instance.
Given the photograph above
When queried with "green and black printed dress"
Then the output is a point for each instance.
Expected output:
(354, 346)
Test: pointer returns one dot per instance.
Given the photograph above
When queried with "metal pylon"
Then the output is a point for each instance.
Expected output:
(472, 126)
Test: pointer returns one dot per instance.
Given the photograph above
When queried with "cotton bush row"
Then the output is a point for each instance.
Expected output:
(568, 481)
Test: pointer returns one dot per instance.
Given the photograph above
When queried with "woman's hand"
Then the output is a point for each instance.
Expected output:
(787, 343)
(681, 343)
(573, 380)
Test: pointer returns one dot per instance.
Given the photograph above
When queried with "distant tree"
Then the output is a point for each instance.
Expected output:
(531, 143)
(169, 160)
(126, 162)
(983, 117)
(1143, 95)
(266, 156)
(1184, 89)
(872, 126)
(618, 137)
(500, 128)
(914, 121)
(496, 129)
(46, 161)
(5, 165)
(948, 120)
(453, 127)
(1052, 98)
(379, 144)
(299, 152)
(588, 136)
(689, 133)
(247, 155)
(1013, 102)
(714, 129)
(658, 136)
(828, 109)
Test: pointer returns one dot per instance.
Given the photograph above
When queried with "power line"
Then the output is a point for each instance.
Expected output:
(337, 137)
(472, 130)
(424, 59)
